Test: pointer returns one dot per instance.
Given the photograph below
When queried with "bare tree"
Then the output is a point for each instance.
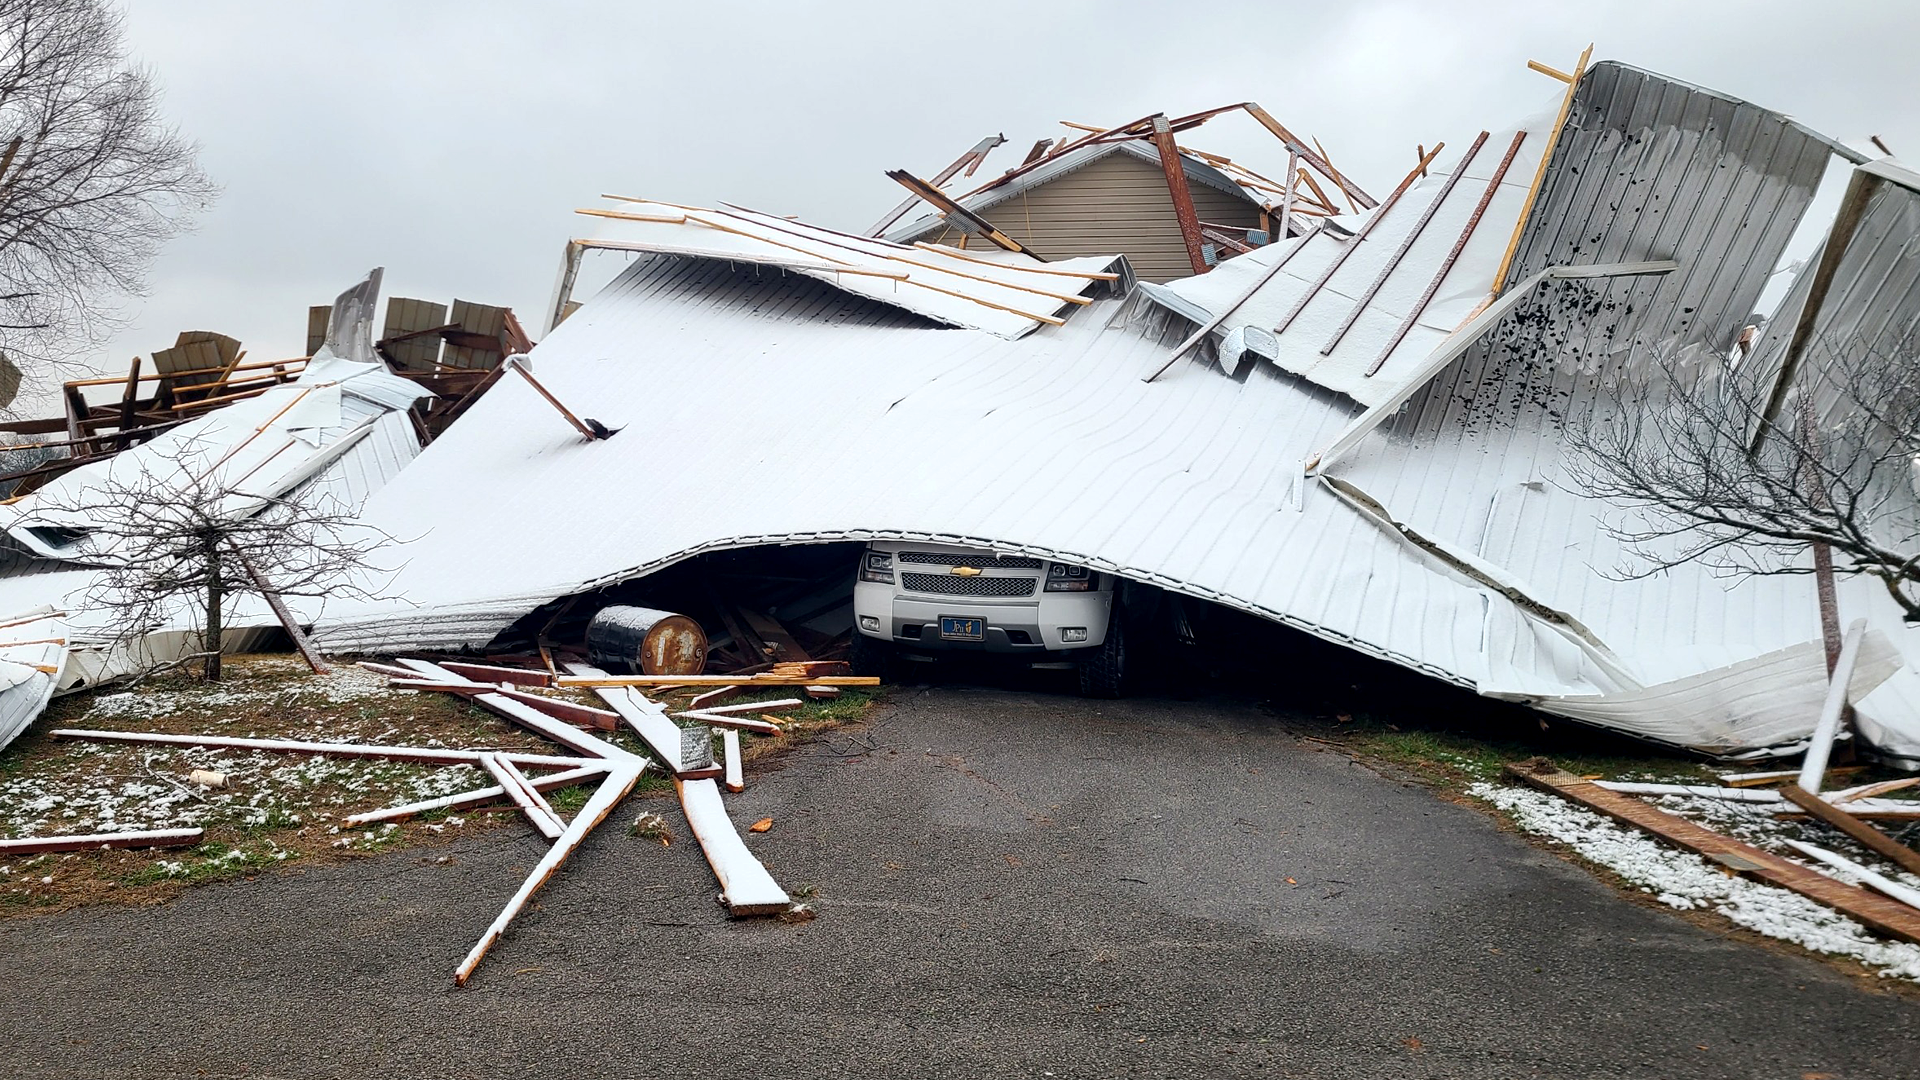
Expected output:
(1837, 466)
(92, 182)
(176, 545)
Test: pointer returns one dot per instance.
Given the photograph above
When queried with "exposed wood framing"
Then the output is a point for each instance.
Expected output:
(159, 838)
(1859, 831)
(1353, 245)
(1406, 245)
(966, 219)
(1446, 265)
(970, 160)
(1540, 174)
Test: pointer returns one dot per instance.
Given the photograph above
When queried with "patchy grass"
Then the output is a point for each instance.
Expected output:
(277, 809)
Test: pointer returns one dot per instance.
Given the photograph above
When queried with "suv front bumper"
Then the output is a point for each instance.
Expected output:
(1028, 627)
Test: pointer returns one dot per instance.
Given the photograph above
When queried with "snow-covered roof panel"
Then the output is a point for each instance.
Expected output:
(947, 286)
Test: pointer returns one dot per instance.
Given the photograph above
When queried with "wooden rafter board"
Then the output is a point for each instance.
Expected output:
(1889, 917)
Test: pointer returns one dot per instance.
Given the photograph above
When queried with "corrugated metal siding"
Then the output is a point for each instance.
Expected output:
(1116, 204)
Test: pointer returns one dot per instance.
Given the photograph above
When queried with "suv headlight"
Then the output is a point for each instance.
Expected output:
(1064, 578)
(877, 566)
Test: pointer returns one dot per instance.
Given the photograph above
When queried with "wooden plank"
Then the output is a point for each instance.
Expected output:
(1867, 791)
(1885, 916)
(585, 716)
(1294, 144)
(481, 319)
(744, 681)
(1758, 779)
(418, 755)
(1540, 174)
(711, 696)
(494, 674)
(476, 797)
(583, 429)
(730, 760)
(619, 782)
(744, 723)
(745, 885)
(301, 641)
(1862, 833)
(1903, 893)
(769, 630)
(1174, 169)
(160, 838)
(648, 719)
(954, 211)
(952, 253)
(542, 819)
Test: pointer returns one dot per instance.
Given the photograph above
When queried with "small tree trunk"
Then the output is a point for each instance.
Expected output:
(216, 592)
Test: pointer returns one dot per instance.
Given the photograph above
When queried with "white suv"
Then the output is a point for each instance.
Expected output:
(935, 598)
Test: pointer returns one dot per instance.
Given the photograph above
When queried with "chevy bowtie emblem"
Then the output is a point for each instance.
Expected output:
(966, 571)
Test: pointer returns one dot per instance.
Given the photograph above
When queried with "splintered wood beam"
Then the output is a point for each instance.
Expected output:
(975, 156)
(954, 253)
(476, 797)
(160, 838)
(528, 717)
(1406, 245)
(620, 780)
(1175, 170)
(585, 716)
(953, 210)
(1859, 831)
(1549, 72)
(1353, 245)
(1446, 265)
(1886, 916)
(745, 885)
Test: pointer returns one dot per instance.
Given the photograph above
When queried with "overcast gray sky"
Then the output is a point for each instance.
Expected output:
(449, 141)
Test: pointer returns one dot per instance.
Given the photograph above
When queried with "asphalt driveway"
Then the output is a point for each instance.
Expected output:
(1009, 885)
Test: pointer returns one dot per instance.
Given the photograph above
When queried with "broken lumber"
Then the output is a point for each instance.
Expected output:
(620, 780)
(1699, 791)
(730, 759)
(733, 722)
(1867, 791)
(414, 754)
(1758, 779)
(745, 885)
(161, 838)
(743, 681)
(1905, 894)
(585, 716)
(1885, 916)
(477, 797)
(496, 674)
(711, 696)
(528, 800)
(1861, 832)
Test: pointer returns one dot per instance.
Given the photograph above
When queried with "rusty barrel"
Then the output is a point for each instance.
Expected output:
(643, 641)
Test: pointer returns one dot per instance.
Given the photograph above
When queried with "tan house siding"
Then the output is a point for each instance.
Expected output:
(1116, 204)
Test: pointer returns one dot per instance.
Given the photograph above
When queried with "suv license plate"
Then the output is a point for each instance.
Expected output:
(955, 628)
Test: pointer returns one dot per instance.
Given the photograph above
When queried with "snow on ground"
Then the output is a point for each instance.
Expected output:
(1684, 880)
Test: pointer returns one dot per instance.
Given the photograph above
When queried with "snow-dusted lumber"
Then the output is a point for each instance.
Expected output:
(733, 721)
(744, 682)
(1755, 779)
(749, 707)
(528, 800)
(745, 885)
(1877, 912)
(490, 673)
(701, 701)
(1702, 791)
(527, 716)
(476, 797)
(1814, 770)
(1867, 791)
(419, 755)
(30, 845)
(1861, 832)
(1903, 893)
(620, 780)
(585, 716)
(730, 755)
(648, 719)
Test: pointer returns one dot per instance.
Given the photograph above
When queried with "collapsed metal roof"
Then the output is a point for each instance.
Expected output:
(1432, 533)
